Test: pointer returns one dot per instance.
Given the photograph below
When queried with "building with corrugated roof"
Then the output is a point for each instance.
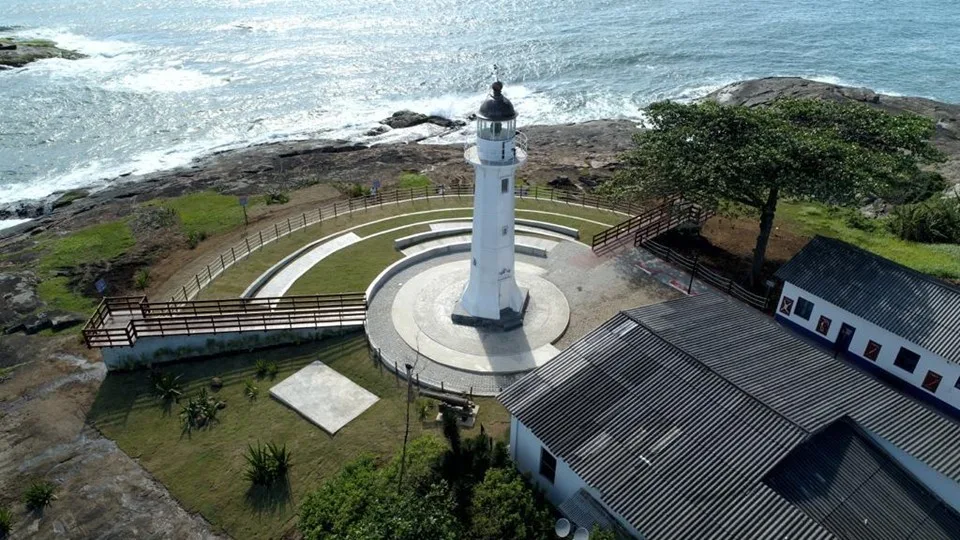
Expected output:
(889, 319)
(701, 418)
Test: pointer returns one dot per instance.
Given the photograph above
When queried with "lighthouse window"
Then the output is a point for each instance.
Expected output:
(497, 128)
(504, 185)
(503, 231)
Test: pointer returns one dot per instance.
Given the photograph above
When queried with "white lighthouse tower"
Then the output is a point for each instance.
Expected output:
(492, 298)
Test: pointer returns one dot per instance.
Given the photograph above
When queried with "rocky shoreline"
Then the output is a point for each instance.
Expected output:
(15, 52)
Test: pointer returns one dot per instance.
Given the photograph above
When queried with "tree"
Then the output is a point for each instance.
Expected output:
(505, 506)
(805, 149)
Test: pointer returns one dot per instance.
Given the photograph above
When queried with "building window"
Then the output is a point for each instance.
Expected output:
(504, 185)
(504, 230)
(548, 465)
(804, 308)
(932, 381)
(957, 384)
(872, 351)
(823, 325)
(786, 305)
(907, 360)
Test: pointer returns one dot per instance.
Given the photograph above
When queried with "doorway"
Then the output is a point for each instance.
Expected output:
(844, 337)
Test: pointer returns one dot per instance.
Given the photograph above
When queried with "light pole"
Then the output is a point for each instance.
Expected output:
(406, 430)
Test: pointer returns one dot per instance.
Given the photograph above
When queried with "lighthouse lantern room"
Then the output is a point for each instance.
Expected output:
(491, 298)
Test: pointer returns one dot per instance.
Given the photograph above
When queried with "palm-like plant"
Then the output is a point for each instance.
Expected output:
(250, 390)
(39, 495)
(267, 463)
(199, 412)
(166, 386)
(6, 521)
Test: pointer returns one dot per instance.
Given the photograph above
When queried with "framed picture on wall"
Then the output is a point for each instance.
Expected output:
(786, 306)
(872, 351)
(823, 325)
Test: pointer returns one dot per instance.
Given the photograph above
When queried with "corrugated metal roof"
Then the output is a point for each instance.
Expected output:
(674, 413)
(912, 305)
(843, 479)
(584, 511)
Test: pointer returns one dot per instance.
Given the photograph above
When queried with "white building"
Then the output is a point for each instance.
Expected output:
(492, 293)
(890, 320)
(701, 418)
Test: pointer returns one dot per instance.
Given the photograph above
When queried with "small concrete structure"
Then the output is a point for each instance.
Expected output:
(323, 396)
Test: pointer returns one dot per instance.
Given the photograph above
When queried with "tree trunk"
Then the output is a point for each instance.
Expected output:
(767, 213)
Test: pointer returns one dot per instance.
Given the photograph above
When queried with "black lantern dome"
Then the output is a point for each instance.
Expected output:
(497, 107)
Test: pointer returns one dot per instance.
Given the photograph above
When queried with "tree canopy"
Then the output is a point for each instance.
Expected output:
(804, 149)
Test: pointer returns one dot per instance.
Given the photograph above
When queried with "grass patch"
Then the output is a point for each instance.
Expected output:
(807, 218)
(413, 180)
(56, 292)
(95, 243)
(207, 212)
(205, 471)
(354, 267)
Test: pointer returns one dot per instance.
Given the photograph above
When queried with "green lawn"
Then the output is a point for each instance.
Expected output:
(413, 180)
(207, 212)
(812, 218)
(91, 244)
(205, 470)
(238, 277)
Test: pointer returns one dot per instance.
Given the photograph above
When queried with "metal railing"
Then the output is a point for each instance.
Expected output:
(119, 322)
(256, 240)
(698, 271)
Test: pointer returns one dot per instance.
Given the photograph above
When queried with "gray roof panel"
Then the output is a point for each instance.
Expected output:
(675, 412)
(912, 305)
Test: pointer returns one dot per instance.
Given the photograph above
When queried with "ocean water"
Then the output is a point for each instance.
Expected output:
(169, 80)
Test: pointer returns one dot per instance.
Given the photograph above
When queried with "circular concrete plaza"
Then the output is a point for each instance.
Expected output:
(423, 306)
(572, 291)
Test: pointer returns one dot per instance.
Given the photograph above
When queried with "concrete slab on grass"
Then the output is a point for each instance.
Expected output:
(323, 396)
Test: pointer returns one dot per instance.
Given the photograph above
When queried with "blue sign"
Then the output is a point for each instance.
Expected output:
(101, 285)
(243, 200)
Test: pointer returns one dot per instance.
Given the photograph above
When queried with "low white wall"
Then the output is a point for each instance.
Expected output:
(867, 331)
(159, 350)
(566, 231)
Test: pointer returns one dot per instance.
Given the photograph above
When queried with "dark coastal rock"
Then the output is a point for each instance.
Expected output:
(405, 119)
(561, 182)
(36, 323)
(64, 321)
(18, 53)
(373, 132)
(18, 295)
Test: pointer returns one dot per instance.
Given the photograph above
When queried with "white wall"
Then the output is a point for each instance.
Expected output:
(525, 451)
(890, 344)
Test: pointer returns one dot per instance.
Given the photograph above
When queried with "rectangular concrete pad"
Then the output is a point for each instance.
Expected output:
(323, 396)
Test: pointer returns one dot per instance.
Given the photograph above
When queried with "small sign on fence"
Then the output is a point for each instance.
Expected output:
(101, 285)
(243, 204)
(375, 187)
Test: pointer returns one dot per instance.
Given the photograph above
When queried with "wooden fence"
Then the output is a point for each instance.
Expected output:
(120, 321)
(701, 272)
(256, 240)
(650, 223)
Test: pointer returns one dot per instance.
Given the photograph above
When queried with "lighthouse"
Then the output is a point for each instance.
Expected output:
(491, 298)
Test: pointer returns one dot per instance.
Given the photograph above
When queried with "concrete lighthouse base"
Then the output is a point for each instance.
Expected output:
(509, 319)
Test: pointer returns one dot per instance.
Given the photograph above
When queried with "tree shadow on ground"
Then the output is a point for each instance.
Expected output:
(272, 499)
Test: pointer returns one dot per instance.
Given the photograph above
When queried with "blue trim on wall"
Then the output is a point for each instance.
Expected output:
(872, 368)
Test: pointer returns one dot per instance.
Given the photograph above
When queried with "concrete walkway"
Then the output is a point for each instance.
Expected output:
(521, 240)
(285, 278)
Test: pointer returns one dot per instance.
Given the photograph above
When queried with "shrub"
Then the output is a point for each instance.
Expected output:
(200, 412)
(424, 407)
(195, 237)
(266, 463)
(272, 369)
(166, 386)
(39, 495)
(352, 190)
(141, 280)
(250, 390)
(6, 521)
(276, 197)
(856, 220)
(505, 506)
(413, 180)
(935, 221)
(261, 366)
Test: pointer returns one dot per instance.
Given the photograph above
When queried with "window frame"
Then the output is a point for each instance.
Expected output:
(798, 309)
(824, 322)
(504, 185)
(901, 364)
(545, 465)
